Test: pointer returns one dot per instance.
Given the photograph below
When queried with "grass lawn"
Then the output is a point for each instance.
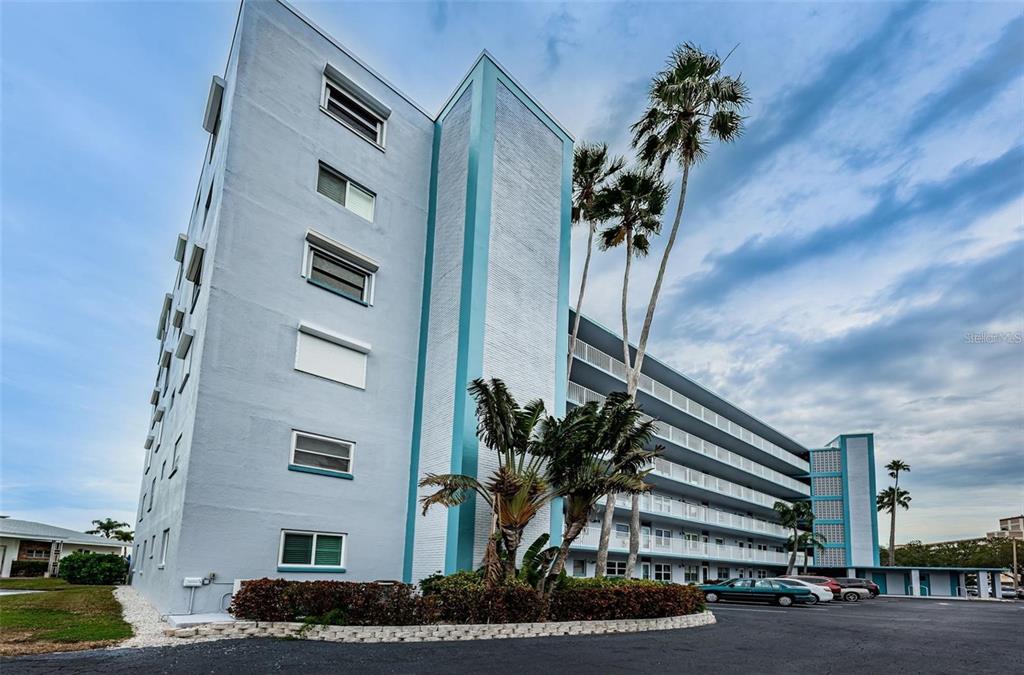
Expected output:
(64, 618)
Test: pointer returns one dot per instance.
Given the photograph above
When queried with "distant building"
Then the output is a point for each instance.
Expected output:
(28, 541)
(1010, 528)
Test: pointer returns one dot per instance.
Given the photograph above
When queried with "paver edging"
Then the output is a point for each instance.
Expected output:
(437, 632)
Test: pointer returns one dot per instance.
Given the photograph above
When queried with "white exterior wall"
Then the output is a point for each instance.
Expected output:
(861, 504)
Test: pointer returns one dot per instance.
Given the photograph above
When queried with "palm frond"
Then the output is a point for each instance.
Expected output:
(453, 489)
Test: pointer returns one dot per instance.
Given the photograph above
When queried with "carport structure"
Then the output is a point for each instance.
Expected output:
(950, 582)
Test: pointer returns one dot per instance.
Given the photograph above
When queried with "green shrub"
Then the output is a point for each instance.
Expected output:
(341, 603)
(607, 599)
(93, 568)
(461, 598)
(464, 597)
(28, 568)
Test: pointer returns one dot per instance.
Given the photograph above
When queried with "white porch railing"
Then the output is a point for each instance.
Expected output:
(683, 548)
(676, 508)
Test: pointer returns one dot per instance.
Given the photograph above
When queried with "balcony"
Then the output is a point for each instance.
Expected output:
(681, 548)
(671, 507)
(616, 368)
(579, 394)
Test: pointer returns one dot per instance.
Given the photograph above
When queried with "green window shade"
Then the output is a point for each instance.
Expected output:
(328, 550)
(298, 549)
(331, 185)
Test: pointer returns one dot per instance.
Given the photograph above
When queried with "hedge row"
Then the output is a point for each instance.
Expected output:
(459, 599)
(93, 568)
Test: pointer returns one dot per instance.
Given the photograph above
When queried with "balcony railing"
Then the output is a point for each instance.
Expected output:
(579, 394)
(684, 548)
(657, 503)
(613, 366)
(684, 474)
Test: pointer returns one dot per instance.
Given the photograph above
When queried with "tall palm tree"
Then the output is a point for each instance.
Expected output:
(517, 489)
(888, 500)
(592, 168)
(690, 104)
(793, 517)
(109, 528)
(895, 467)
(592, 451)
(811, 540)
(633, 205)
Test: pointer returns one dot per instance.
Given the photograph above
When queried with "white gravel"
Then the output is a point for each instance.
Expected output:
(146, 622)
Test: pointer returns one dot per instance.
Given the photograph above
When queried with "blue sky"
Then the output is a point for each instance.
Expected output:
(831, 262)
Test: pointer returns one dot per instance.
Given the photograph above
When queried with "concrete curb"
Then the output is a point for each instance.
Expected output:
(436, 632)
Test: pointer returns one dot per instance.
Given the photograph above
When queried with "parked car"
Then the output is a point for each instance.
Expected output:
(850, 582)
(827, 582)
(757, 590)
(820, 593)
(854, 594)
(1009, 592)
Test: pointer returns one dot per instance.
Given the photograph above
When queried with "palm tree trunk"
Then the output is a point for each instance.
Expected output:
(571, 532)
(792, 554)
(634, 535)
(645, 331)
(630, 385)
(579, 301)
(892, 537)
(606, 533)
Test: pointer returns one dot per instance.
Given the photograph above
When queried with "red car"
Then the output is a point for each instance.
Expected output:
(828, 582)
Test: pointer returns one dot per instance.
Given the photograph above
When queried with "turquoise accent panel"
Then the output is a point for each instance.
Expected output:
(562, 340)
(472, 306)
(421, 364)
(320, 472)
(906, 583)
(926, 584)
(311, 570)
(846, 501)
(880, 579)
(954, 584)
(874, 492)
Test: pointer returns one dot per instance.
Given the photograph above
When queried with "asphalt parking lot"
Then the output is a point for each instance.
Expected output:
(878, 636)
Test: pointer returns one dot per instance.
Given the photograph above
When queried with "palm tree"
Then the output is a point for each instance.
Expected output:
(634, 204)
(793, 516)
(109, 528)
(592, 168)
(594, 451)
(894, 468)
(517, 489)
(888, 500)
(691, 104)
(811, 540)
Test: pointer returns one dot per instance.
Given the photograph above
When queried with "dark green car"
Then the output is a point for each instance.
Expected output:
(757, 590)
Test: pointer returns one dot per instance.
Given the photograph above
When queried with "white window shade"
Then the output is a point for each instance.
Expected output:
(331, 356)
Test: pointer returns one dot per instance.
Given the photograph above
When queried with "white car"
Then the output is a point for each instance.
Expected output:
(821, 593)
(852, 594)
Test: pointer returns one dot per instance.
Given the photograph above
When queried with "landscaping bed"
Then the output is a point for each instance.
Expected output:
(460, 606)
(66, 617)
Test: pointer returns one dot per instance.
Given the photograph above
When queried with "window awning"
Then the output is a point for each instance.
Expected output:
(158, 414)
(195, 263)
(356, 92)
(213, 103)
(178, 318)
(165, 358)
(184, 342)
(168, 299)
(344, 252)
(343, 340)
(154, 397)
(149, 441)
(179, 247)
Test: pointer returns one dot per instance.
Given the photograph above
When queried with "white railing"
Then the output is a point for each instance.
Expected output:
(597, 358)
(685, 548)
(579, 394)
(673, 507)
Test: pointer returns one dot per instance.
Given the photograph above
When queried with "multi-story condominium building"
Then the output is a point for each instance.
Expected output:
(351, 264)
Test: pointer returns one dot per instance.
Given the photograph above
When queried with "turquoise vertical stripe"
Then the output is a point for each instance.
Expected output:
(562, 338)
(873, 506)
(472, 307)
(421, 363)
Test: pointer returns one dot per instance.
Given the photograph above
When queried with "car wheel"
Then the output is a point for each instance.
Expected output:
(851, 597)
(784, 601)
(813, 600)
(711, 597)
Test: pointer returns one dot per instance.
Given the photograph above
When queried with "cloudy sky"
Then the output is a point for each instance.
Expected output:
(831, 266)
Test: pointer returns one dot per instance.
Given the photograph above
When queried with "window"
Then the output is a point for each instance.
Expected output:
(142, 555)
(152, 546)
(330, 356)
(152, 492)
(314, 550)
(622, 528)
(206, 208)
(174, 454)
(142, 506)
(762, 574)
(163, 546)
(662, 537)
(337, 187)
(163, 468)
(342, 104)
(338, 276)
(690, 573)
(723, 572)
(579, 568)
(337, 268)
(662, 572)
(328, 455)
(616, 568)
